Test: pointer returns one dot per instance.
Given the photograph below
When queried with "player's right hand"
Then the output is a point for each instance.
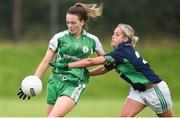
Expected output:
(22, 95)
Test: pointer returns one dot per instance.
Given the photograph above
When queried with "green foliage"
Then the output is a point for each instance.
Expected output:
(148, 17)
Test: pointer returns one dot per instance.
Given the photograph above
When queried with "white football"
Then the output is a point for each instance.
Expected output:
(31, 85)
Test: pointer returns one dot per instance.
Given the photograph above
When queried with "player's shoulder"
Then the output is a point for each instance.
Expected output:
(61, 34)
(126, 48)
(126, 45)
(89, 35)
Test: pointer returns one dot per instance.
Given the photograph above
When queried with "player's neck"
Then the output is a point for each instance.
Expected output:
(77, 35)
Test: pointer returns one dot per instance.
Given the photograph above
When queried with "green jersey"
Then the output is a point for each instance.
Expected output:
(69, 49)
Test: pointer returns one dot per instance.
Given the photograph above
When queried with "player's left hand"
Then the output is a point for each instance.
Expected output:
(22, 95)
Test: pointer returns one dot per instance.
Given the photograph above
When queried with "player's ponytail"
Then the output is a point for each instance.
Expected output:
(84, 11)
(92, 10)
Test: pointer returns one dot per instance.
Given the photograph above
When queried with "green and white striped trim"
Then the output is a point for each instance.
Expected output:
(161, 98)
(77, 92)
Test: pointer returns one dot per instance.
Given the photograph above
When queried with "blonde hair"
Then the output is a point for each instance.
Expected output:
(129, 31)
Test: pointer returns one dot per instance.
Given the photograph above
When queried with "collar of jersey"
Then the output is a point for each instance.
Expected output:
(83, 33)
(128, 43)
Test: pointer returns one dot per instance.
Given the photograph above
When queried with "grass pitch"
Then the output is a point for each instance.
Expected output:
(20, 60)
(87, 107)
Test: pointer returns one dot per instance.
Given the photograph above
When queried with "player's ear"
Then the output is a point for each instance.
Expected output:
(125, 39)
(82, 22)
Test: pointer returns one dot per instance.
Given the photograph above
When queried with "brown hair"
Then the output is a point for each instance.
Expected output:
(84, 11)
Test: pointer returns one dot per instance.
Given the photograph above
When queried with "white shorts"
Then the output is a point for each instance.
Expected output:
(158, 98)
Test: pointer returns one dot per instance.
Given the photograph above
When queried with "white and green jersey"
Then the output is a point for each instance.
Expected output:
(70, 49)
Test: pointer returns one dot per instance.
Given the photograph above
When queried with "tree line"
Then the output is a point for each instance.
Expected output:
(43, 18)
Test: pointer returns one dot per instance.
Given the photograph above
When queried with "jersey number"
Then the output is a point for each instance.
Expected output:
(138, 56)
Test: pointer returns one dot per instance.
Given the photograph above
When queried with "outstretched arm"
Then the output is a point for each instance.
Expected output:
(88, 62)
(94, 61)
(98, 71)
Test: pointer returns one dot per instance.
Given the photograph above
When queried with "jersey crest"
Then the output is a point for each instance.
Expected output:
(85, 49)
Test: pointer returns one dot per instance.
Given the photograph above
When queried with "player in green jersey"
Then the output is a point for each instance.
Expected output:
(66, 85)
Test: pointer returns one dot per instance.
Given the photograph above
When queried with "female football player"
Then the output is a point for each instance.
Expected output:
(65, 86)
(147, 89)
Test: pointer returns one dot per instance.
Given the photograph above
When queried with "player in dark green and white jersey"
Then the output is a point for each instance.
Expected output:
(147, 89)
(66, 85)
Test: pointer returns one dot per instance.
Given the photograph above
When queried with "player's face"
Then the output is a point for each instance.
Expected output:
(74, 24)
(118, 37)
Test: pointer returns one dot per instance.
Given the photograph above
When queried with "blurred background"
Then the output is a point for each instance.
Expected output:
(26, 26)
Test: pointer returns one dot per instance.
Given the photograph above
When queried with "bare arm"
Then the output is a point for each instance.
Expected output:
(44, 63)
(98, 71)
(92, 62)
(88, 62)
